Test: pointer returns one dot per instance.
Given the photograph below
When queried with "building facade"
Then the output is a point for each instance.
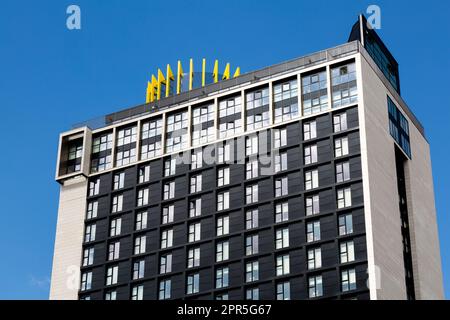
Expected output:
(310, 179)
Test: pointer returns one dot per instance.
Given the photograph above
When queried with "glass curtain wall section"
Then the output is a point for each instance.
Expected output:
(101, 157)
(285, 97)
(126, 145)
(203, 130)
(257, 109)
(230, 122)
(177, 131)
(343, 85)
(151, 137)
(314, 93)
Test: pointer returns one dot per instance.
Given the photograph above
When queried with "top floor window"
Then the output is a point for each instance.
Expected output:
(203, 130)
(151, 136)
(177, 131)
(285, 101)
(230, 121)
(314, 93)
(101, 157)
(343, 85)
(257, 109)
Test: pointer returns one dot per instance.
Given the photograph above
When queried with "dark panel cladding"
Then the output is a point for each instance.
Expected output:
(335, 207)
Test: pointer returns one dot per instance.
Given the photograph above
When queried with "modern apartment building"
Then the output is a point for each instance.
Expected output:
(310, 179)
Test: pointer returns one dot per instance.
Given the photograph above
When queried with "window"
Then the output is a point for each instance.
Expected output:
(399, 127)
(345, 224)
(341, 147)
(137, 293)
(119, 179)
(126, 146)
(144, 174)
(193, 257)
(92, 210)
(165, 263)
(315, 288)
(170, 166)
(251, 169)
(343, 85)
(116, 227)
(112, 274)
(177, 131)
(309, 130)
(195, 208)
(169, 190)
(167, 216)
(222, 278)
(251, 145)
(197, 159)
(280, 161)
(166, 239)
(223, 177)
(252, 294)
(314, 258)
(310, 154)
(284, 291)
(251, 194)
(224, 153)
(88, 257)
(223, 225)
(193, 283)
(342, 172)
(111, 295)
(344, 198)
(142, 198)
(141, 220)
(279, 138)
(223, 201)
(222, 251)
(313, 231)
(230, 117)
(151, 132)
(311, 179)
(117, 203)
(251, 219)
(138, 269)
(312, 205)
(340, 122)
(94, 187)
(314, 93)
(348, 280)
(281, 212)
(86, 281)
(89, 234)
(114, 250)
(282, 238)
(252, 271)
(196, 183)
(203, 130)
(257, 109)
(139, 244)
(101, 156)
(347, 252)
(194, 232)
(251, 245)
(222, 296)
(281, 187)
(285, 101)
(282, 265)
(164, 289)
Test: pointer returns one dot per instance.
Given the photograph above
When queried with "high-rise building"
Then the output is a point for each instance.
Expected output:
(309, 179)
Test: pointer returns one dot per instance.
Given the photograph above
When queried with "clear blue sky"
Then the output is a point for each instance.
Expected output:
(52, 77)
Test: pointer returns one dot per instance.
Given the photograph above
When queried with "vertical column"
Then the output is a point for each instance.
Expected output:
(163, 133)
(138, 140)
(216, 118)
(87, 148)
(299, 95)
(330, 98)
(243, 106)
(189, 126)
(113, 148)
(270, 103)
